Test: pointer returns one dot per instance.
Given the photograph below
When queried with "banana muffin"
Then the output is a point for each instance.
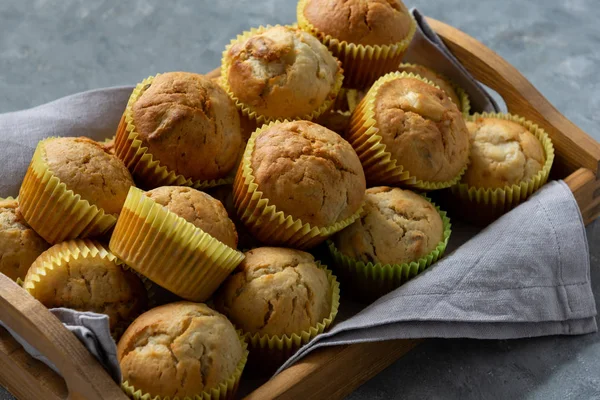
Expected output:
(189, 124)
(19, 244)
(179, 350)
(398, 226)
(83, 275)
(280, 72)
(276, 291)
(441, 81)
(503, 153)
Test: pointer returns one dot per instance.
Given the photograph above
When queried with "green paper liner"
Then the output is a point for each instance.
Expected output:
(226, 390)
(146, 170)
(169, 250)
(369, 281)
(486, 204)
(363, 64)
(264, 221)
(249, 111)
(379, 165)
(55, 212)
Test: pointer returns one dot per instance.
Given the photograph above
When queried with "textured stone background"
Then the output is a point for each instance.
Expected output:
(49, 49)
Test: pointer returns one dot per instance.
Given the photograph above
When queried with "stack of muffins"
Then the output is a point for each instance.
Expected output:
(200, 167)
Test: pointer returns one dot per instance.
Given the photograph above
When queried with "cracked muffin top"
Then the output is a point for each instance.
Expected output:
(373, 22)
(422, 129)
(179, 350)
(434, 77)
(87, 283)
(503, 153)
(19, 244)
(198, 208)
(189, 124)
(89, 171)
(276, 291)
(282, 72)
(308, 172)
(398, 226)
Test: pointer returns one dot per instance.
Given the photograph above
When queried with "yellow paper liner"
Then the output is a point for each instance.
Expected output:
(268, 352)
(249, 111)
(463, 97)
(55, 212)
(264, 221)
(226, 390)
(363, 64)
(369, 281)
(379, 165)
(487, 204)
(63, 253)
(170, 251)
(148, 172)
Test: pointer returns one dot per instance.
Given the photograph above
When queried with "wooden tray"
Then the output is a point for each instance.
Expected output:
(328, 373)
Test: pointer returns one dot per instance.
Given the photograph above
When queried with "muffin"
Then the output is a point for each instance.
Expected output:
(181, 350)
(510, 159)
(179, 128)
(73, 188)
(399, 234)
(277, 295)
(298, 183)
(280, 72)
(368, 37)
(19, 244)
(179, 238)
(83, 275)
(456, 93)
(407, 131)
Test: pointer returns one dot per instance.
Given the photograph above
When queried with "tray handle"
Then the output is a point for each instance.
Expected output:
(84, 376)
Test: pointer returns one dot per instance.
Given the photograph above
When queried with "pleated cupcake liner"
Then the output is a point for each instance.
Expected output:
(487, 204)
(379, 164)
(264, 221)
(368, 281)
(363, 64)
(146, 170)
(250, 112)
(169, 250)
(226, 390)
(55, 212)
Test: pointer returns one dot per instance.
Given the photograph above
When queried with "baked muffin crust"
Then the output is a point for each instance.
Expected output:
(503, 153)
(89, 171)
(308, 172)
(398, 226)
(198, 208)
(19, 244)
(434, 77)
(179, 349)
(276, 291)
(282, 72)
(422, 129)
(373, 22)
(189, 124)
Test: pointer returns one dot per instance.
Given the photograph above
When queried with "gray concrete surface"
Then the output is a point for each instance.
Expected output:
(49, 49)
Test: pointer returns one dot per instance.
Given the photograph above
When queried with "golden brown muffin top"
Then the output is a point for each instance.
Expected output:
(276, 291)
(189, 124)
(90, 284)
(308, 172)
(198, 208)
(19, 244)
(422, 129)
(179, 349)
(503, 153)
(366, 22)
(89, 171)
(398, 226)
(282, 72)
(434, 77)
